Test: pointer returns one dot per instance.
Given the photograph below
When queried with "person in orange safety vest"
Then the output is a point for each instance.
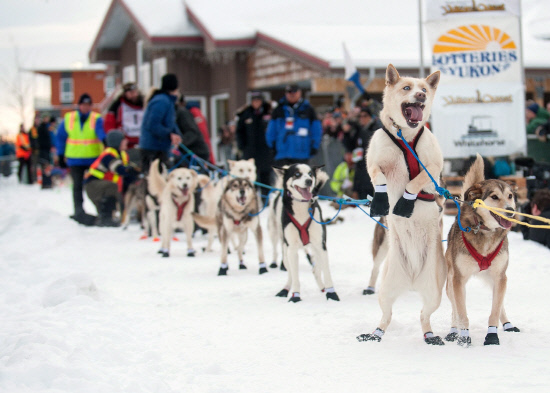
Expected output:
(23, 153)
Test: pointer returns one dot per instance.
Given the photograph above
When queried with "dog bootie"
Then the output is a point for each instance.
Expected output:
(331, 294)
(283, 268)
(380, 206)
(375, 336)
(295, 298)
(242, 266)
(429, 338)
(282, 293)
(190, 252)
(405, 205)
(508, 327)
(453, 335)
(273, 265)
(492, 337)
(263, 268)
(165, 253)
(464, 341)
(368, 291)
(223, 270)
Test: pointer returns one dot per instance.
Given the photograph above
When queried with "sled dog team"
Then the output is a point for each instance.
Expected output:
(405, 198)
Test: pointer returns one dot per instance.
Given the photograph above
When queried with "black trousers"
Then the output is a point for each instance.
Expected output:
(148, 156)
(27, 163)
(77, 173)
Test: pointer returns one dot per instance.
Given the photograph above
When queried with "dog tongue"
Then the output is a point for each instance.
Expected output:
(414, 113)
(305, 193)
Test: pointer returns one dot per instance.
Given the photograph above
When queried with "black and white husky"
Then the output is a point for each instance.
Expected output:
(301, 183)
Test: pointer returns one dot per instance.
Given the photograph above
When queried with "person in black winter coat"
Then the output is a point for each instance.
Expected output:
(357, 137)
(251, 128)
(191, 135)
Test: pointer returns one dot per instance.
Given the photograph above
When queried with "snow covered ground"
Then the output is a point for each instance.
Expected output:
(97, 310)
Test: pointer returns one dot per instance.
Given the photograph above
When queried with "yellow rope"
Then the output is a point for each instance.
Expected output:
(480, 203)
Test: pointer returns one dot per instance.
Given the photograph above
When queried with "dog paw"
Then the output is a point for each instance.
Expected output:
(491, 339)
(369, 337)
(223, 271)
(379, 206)
(191, 253)
(368, 291)
(282, 293)
(434, 340)
(451, 337)
(295, 299)
(263, 270)
(332, 296)
(404, 207)
(464, 341)
(242, 266)
(283, 268)
(165, 254)
(273, 265)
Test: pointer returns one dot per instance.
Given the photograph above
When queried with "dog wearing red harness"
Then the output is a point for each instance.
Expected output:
(301, 183)
(405, 194)
(177, 202)
(481, 252)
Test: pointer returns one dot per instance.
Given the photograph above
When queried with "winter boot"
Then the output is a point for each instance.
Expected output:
(106, 208)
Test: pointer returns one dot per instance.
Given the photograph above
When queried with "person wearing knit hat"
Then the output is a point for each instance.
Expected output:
(159, 130)
(126, 113)
(79, 141)
(105, 178)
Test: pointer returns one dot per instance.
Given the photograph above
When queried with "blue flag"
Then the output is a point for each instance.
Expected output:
(351, 73)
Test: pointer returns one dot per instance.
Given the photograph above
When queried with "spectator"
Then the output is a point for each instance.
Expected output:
(200, 120)
(331, 143)
(79, 142)
(7, 151)
(158, 129)
(342, 179)
(126, 114)
(536, 118)
(226, 146)
(33, 133)
(294, 131)
(251, 128)
(540, 206)
(104, 179)
(23, 153)
(356, 140)
(191, 135)
(45, 149)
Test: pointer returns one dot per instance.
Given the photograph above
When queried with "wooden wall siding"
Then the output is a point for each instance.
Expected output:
(128, 51)
(191, 69)
(269, 68)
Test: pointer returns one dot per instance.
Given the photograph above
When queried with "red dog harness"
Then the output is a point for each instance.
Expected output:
(180, 207)
(483, 262)
(412, 163)
(304, 235)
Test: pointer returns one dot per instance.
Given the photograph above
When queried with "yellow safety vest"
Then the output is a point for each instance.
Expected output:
(82, 143)
(111, 176)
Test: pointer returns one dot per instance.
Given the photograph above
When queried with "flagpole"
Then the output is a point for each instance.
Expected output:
(420, 38)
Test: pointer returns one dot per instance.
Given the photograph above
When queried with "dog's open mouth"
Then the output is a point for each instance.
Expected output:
(184, 191)
(502, 221)
(241, 200)
(304, 192)
(413, 113)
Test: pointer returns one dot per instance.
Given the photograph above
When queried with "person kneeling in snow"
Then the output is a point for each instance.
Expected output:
(104, 178)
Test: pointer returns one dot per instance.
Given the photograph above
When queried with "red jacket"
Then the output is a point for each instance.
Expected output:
(115, 116)
(22, 146)
(203, 127)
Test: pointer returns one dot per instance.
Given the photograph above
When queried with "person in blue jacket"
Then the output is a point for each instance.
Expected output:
(159, 130)
(294, 131)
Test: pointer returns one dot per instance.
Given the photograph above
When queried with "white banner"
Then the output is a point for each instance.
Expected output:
(480, 102)
(456, 9)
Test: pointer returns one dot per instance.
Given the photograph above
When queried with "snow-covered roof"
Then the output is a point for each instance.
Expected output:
(375, 32)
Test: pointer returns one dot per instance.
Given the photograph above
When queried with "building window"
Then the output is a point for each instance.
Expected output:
(129, 74)
(109, 84)
(66, 90)
(159, 69)
(145, 77)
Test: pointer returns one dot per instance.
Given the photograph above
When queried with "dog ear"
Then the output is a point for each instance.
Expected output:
(252, 161)
(473, 193)
(392, 76)
(514, 187)
(202, 180)
(321, 177)
(433, 79)
(279, 171)
(231, 164)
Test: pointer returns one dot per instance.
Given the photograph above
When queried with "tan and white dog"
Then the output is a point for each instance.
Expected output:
(415, 258)
(212, 192)
(177, 202)
(482, 252)
(236, 214)
(154, 184)
(301, 183)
